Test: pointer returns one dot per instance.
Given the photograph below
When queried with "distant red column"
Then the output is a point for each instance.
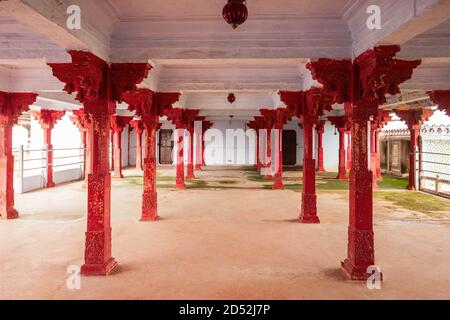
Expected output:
(117, 125)
(341, 124)
(373, 156)
(149, 195)
(206, 125)
(190, 166)
(349, 150)
(309, 197)
(183, 118)
(11, 107)
(320, 128)
(47, 120)
(180, 159)
(139, 129)
(414, 119)
(268, 164)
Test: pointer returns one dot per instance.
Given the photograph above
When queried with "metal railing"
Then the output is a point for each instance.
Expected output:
(438, 178)
(26, 161)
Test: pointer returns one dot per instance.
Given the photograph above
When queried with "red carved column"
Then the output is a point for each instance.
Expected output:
(373, 155)
(278, 177)
(258, 142)
(182, 118)
(320, 129)
(349, 150)
(278, 121)
(139, 129)
(414, 119)
(268, 164)
(99, 86)
(199, 142)
(179, 184)
(190, 165)
(117, 125)
(11, 106)
(309, 197)
(378, 159)
(82, 120)
(150, 106)
(47, 120)
(149, 196)
(341, 124)
(308, 106)
(360, 231)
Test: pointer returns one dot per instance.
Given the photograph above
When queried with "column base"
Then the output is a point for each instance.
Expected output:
(309, 219)
(149, 207)
(149, 218)
(190, 177)
(411, 188)
(11, 214)
(268, 177)
(321, 170)
(278, 185)
(180, 186)
(342, 176)
(198, 167)
(50, 184)
(309, 209)
(117, 176)
(85, 184)
(99, 269)
(356, 273)
(139, 168)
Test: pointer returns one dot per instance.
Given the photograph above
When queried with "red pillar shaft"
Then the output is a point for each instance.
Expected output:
(360, 253)
(180, 160)
(117, 154)
(49, 146)
(7, 210)
(149, 196)
(342, 174)
(203, 149)
(309, 198)
(373, 157)
(258, 160)
(278, 178)
(377, 149)
(199, 153)
(139, 149)
(268, 164)
(190, 166)
(320, 166)
(98, 259)
(413, 141)
(349, 150)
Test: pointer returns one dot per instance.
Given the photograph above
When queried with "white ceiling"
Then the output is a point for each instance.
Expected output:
(138, 9)
(194, 51)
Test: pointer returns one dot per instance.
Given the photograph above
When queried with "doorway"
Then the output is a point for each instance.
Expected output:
(165, 146)
(289, 147)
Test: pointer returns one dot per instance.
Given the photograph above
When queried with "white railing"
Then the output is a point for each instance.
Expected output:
(34, 162)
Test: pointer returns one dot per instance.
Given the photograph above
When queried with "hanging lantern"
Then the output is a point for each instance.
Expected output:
(235, 12)
(231, 98)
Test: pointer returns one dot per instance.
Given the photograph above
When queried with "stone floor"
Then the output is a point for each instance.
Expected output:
(233, 242)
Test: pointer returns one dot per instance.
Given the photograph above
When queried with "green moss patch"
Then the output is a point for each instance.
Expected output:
(417, 201)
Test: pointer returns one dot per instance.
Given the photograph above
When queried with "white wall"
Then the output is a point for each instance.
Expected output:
(64, 135)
